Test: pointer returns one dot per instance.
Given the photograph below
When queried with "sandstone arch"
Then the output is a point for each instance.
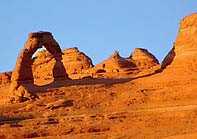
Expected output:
(22, 73)
(23, 69)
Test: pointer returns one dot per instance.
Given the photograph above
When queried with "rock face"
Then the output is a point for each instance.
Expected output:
(5, 77)
(75, 62)
(184, 53)
(115, 63)
(42, 66)
(139, 60)
(143, 59)
(23, 69)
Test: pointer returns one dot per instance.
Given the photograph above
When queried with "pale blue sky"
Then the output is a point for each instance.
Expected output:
(96, 27)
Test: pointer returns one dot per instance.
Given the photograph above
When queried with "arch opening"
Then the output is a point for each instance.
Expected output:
(38, 52)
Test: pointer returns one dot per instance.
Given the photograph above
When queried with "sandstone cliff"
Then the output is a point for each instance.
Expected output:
(183, 56)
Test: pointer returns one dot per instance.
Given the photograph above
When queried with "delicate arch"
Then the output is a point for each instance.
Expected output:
(23, 68)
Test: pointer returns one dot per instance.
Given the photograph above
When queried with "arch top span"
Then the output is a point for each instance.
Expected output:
(39, 34)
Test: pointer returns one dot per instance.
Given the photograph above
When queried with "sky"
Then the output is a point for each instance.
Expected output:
(96, 27)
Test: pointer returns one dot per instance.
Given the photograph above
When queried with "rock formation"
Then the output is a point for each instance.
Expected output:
(115, 63)
(23, 69)
(75, 62)
(140, 60)
(53, 63)
(139, 106)
(143, 59)
(5, 77)
(42, 66)
(183, 56)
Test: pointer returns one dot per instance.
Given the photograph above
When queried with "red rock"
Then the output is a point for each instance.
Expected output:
(75, 61)
(140, 60)
(5, 77)
(23, 69)
(115, 63)
(183, 56)
(143, 59)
